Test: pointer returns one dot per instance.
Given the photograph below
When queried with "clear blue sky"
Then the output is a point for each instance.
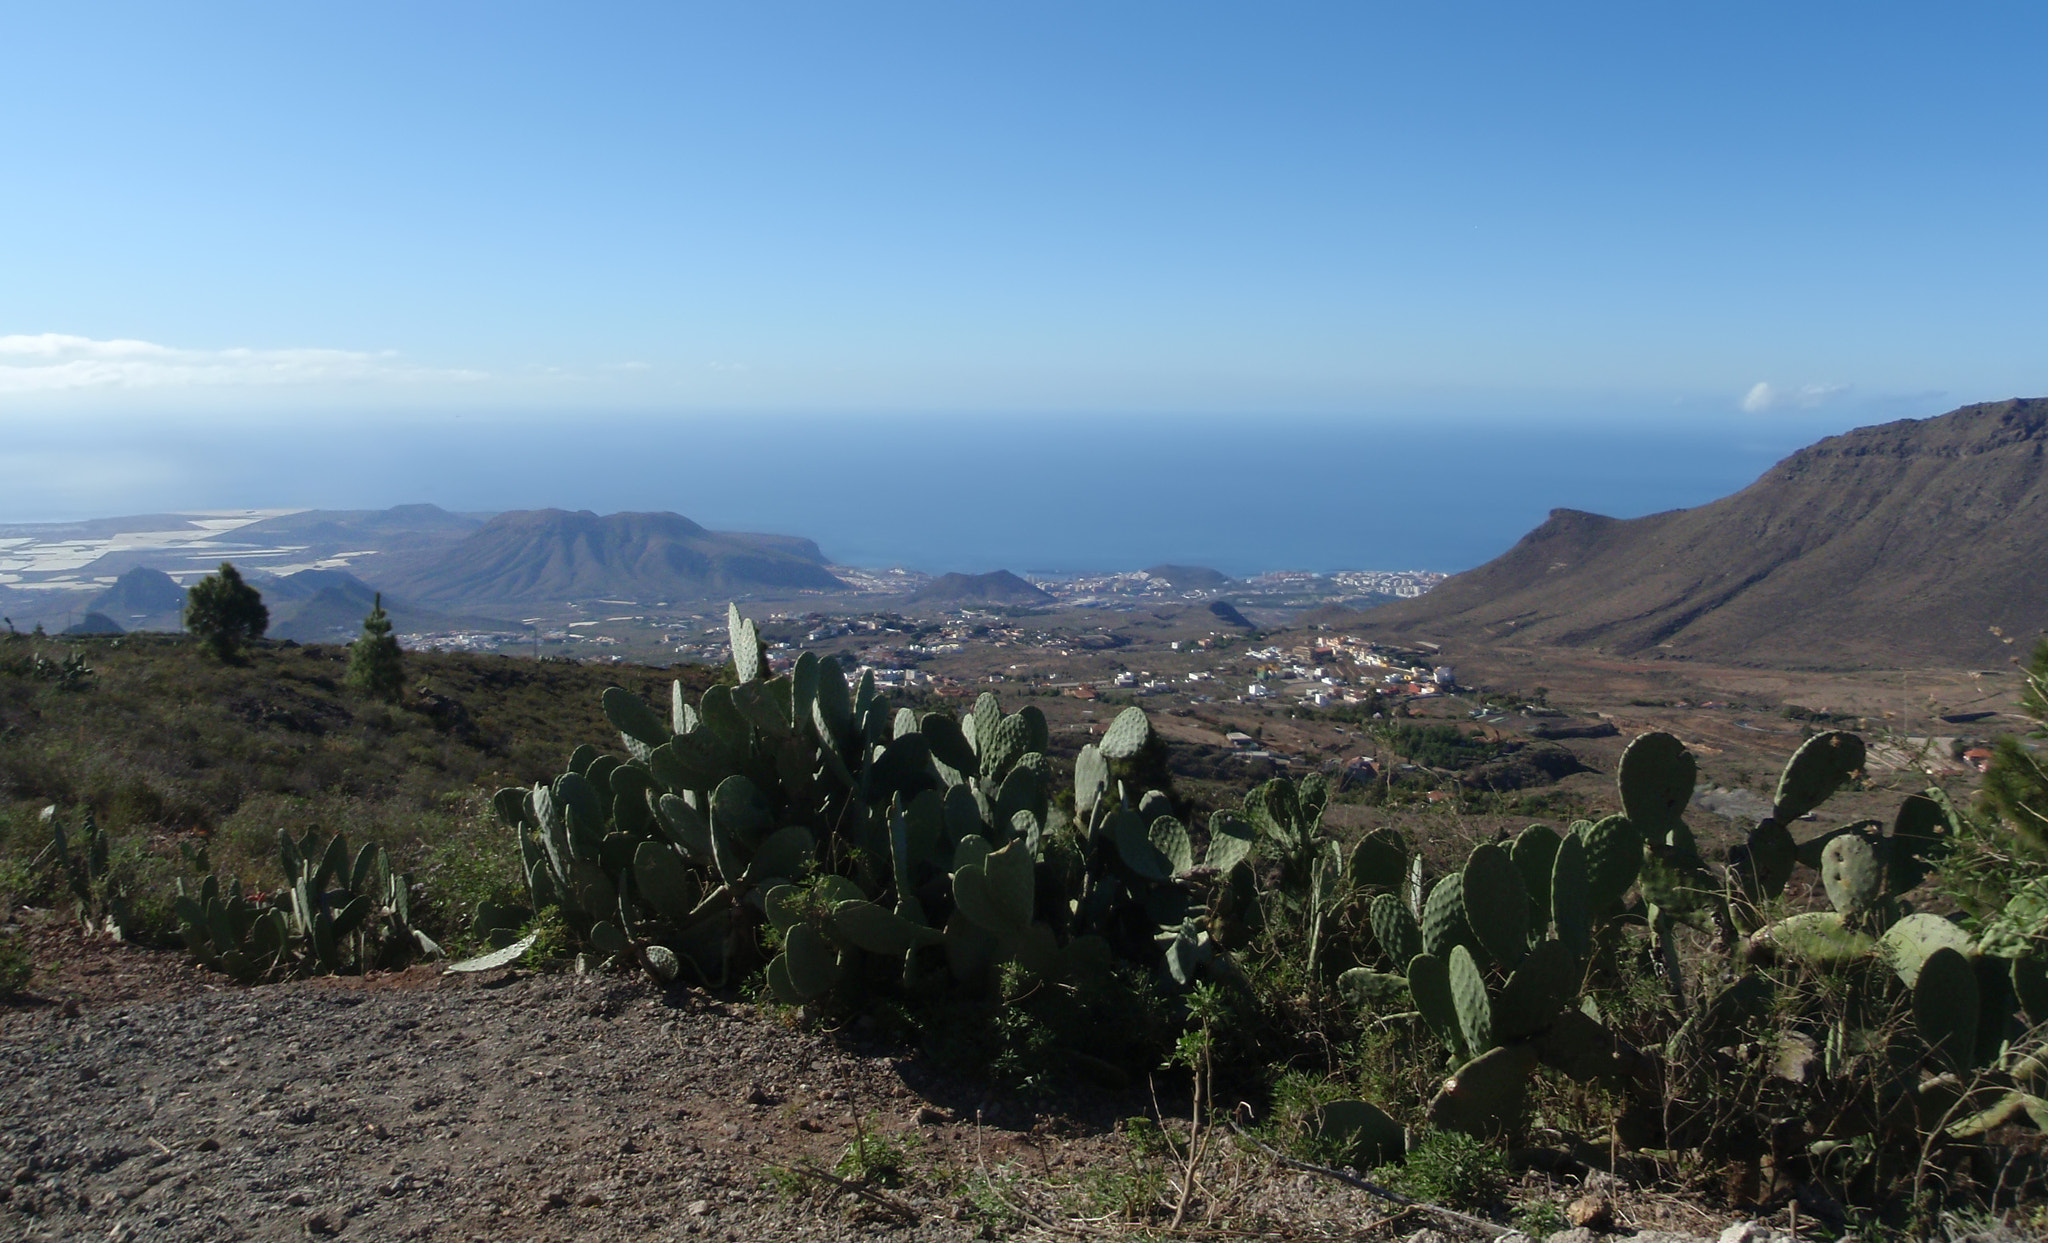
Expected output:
(279, 218)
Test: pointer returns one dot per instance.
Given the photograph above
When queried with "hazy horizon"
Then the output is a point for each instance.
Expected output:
(1049, 495)
(1602, 256)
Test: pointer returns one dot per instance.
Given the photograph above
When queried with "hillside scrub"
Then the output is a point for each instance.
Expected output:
(1793, 1022)
(162, 745)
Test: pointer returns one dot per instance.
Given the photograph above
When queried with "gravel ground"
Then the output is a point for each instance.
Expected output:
(142, 1099)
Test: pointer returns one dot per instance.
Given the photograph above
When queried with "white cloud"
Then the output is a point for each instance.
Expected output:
(1764, 395)
(54, 362)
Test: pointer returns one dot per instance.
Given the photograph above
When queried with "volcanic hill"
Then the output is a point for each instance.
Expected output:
(996, 587)
(550, 555)
(1916, 542)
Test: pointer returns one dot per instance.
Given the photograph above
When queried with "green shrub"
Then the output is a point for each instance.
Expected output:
(15, 968)
(1452, 1169)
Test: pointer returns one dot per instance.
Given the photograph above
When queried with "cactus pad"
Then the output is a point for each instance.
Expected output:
(497, 958)
(1443, 917)
(1486, 1094)
(1399, 936)
(1429, 982)
(1907, 944)
(1496, 904)
(1230, 841)
(1571, 904)
(1656, 777)
(1853, 875)
(746, 644)
(1468, 996)
(1379, 860)
(631, 716)
(1614, 855)
(1945, 1005)
(1817, 938)
(1126, 735)
(1537, 991)
(878, 930)
(1815, 771)
(1535, 854)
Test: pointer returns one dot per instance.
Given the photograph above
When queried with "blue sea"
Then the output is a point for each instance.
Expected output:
(1056, 494)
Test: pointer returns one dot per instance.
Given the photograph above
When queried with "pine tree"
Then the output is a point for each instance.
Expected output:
(375, 665)
(225, 612)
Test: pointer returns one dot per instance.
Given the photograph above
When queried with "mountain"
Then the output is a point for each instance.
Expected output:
(399, 527)
(317, 606)
(1191, 577)
(532, 556)
(95, 623)
(1227, 613)
(142, 597)
(999, 587)
(1915, 541)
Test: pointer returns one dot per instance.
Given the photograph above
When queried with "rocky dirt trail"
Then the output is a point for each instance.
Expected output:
(142, 1099)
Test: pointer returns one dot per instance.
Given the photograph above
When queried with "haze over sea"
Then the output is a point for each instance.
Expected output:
(1052, 494)
(1047, 287)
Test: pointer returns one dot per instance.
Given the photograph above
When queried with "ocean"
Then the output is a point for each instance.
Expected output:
(1055, 495)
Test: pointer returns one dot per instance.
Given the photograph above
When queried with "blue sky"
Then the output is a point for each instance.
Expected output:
(280, 221)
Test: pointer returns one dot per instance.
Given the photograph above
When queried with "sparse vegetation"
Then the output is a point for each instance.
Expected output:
(798, 838)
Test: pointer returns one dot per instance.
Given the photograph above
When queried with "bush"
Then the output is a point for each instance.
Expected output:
(225, 612)
(15, 968)
(375, 665)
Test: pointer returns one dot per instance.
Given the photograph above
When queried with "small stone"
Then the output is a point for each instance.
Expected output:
(757, 1095)
(1746, 1232)
(1594, 1212)
(589, 1199)
(296, 1199)
(699, 1208)
(1577, 1234)
(209, 1145)
(70, 1008)
(928, 1115)
(553, 1199)
(318, 1224)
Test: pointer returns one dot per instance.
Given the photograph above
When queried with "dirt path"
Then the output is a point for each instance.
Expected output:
(157, 1104)
(144, 1100)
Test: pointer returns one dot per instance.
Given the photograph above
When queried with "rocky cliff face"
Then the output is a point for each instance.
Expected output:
(1920, 541)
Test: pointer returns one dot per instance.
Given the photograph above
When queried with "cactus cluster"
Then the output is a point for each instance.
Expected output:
(100, 901)
(798, 824)
(334, 914)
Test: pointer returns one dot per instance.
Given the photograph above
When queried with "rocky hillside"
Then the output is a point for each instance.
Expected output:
(1915, 542)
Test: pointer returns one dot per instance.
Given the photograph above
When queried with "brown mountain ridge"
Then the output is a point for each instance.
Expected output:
(1923, 541)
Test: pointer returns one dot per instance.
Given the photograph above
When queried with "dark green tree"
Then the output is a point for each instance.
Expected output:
(2016, 785)
(225, 612)
(375, 665)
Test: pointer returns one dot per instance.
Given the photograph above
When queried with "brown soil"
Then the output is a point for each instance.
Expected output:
(144, 1099)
